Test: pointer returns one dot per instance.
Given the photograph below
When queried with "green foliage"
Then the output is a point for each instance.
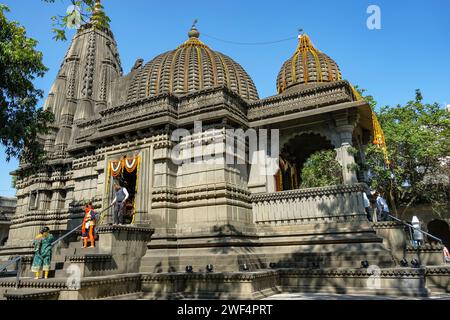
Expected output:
(418, 138)
(322, 170)
(84, 14)
(352, 151)
(20, 122)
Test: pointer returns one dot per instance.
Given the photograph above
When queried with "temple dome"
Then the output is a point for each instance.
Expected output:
(191, 67)
(308, 65)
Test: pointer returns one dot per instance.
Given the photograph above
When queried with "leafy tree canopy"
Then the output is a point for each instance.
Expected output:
(21, 122)
(321, 170)
(418, 142)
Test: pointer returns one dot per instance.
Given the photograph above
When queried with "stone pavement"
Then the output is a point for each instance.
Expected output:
(327, 296)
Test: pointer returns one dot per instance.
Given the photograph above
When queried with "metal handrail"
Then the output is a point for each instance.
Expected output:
(74, 230)
(20, 258)
(17, 260)
(420, 230)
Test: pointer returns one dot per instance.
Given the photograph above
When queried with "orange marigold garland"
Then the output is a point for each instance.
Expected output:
(116, 168)
(131, 164)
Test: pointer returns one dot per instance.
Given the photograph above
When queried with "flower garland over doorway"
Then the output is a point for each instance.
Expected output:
(117, 168)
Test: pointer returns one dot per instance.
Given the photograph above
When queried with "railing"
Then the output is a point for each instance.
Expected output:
(19, 259)
(309, 205)
(412, 229)
(79, 227)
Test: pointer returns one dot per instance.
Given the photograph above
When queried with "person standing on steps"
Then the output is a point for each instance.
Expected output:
(119, 201)
(42, 253)
(382, 207)
(88, 227)
(367, 206)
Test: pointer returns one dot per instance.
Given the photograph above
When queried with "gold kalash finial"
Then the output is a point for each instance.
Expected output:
(98, 6)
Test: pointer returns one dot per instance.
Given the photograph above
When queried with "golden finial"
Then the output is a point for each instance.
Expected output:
(98, 6)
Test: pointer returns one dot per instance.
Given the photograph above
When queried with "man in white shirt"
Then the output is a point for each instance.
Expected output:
(367, 206)
(119, 201)
(382, 207)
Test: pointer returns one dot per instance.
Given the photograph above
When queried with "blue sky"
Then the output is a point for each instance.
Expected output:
(412, 50)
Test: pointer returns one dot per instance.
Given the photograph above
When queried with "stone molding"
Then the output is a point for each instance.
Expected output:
(18, 296)
(311, 98)
(354, 273)
(444, 270)
(89, 258)
(224, 277)
(111, 229)
(387, 225)
(308, 193)
(428, 247)
(201, 192)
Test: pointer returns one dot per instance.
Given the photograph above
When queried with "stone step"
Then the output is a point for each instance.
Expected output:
(31, 294)
(129, 296)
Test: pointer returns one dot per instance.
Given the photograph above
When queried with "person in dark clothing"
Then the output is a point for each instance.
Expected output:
(119, 201)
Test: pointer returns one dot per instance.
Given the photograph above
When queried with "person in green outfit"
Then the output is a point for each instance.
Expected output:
(42, 253)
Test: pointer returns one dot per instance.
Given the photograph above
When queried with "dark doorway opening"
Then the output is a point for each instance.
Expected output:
(293, 157)
(440, 229)
(129, 181)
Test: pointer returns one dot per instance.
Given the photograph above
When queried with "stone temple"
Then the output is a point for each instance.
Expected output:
(258, 231)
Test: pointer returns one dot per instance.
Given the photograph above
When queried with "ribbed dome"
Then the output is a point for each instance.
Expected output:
(307, 65)
(191, 67)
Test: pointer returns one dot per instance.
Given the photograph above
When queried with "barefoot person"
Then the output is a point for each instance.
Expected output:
(42, 253)
(119, 201)
(88, 227)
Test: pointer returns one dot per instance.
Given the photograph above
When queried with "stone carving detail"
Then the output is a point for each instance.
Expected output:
(320, 204)
(72, 80)
(103, 83)
(304, 100)
(89, 70)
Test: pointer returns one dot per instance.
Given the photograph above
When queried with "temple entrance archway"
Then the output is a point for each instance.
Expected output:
(293, 157)
(440, 229)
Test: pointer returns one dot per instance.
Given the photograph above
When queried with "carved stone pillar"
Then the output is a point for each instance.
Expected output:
(145, 184)
(344, 155)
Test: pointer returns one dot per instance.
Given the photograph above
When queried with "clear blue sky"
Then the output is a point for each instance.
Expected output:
(412, 50)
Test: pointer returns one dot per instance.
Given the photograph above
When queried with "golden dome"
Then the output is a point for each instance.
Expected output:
(193, 66)
(307, 65)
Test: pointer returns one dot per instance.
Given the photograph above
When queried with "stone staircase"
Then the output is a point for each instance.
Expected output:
(116, 270)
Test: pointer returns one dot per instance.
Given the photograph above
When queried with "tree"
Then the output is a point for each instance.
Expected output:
(418, 139)
(321, 170)
(80, 12)
(21, 123)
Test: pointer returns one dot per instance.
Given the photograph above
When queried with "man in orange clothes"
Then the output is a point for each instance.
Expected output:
(88, 225)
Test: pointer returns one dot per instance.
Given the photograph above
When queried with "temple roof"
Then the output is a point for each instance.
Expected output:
(193, 66)
(308, 65)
